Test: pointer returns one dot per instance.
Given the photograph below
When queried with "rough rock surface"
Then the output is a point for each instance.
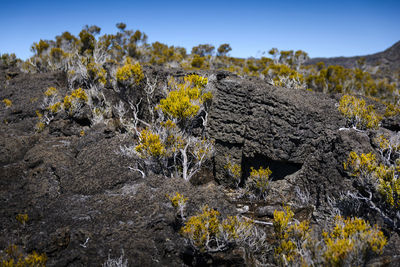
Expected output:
(295, 134)
(85, 204)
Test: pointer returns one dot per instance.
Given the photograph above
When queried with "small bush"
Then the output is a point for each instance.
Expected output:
(22, 218)
(359, 115)
(208, 233)
(346, 243)
(40, 47)
(51, 91)
(7, 102)
(291, 237)
(233, 170)
(96, 73)
(257, 184)
(392, 110)
(179, 202)
(150, 145)
(9, 59)
(130, 72)
(380, 177)
(75, 100)
(14, 257)
(350, 240)
(198, 62)
(186, 100)
(55, 107)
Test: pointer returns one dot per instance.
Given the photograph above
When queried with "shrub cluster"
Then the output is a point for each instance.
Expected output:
(168, 143)
(53, 103)
(13, 256)
(358, 115)
(379, 177)
(347, 243)
(208, 233)
(84, 56)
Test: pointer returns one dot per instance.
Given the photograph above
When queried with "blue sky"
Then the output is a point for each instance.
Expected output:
(321, 28)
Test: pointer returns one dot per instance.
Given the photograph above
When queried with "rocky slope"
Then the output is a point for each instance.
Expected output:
(85, 204)
(388, 59)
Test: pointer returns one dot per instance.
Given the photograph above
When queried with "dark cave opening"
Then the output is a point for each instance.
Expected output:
(280, 169)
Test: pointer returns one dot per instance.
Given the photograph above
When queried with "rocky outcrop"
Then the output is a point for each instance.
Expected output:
(294, 133)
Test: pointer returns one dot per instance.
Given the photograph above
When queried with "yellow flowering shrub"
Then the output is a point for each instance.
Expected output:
(184, 102)
(257, 184)
(281, 221)
(200, 228)
(235, 228)
(13, 257)
(389, 148)
(366, 167)
(289, 235)
(178, 200)
(7, 102)
(40, 47)
(392, 110)
(201, 149)
(358, 114)
(344, 244)
(130, 71)
(275, 71)
(207, 232)
(173, 141)
(389, 184)
(77, 96)
(51, 91)
(349, 235)
(176, 151)
(196, 80)
(198, 62)
(40, 126)
(57, 53)
(55, 107)
(96, 73)
(361, 165)
(233, 170)
(150, 145)
(22, 218)
(178, 105)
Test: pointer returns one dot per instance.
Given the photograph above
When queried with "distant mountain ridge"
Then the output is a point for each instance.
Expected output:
(389, 58)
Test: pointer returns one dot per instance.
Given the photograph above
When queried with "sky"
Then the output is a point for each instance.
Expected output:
(322, 28)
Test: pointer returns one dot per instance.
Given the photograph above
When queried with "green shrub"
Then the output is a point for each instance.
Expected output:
(198, 62)
(203, 50)
(223, 50)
